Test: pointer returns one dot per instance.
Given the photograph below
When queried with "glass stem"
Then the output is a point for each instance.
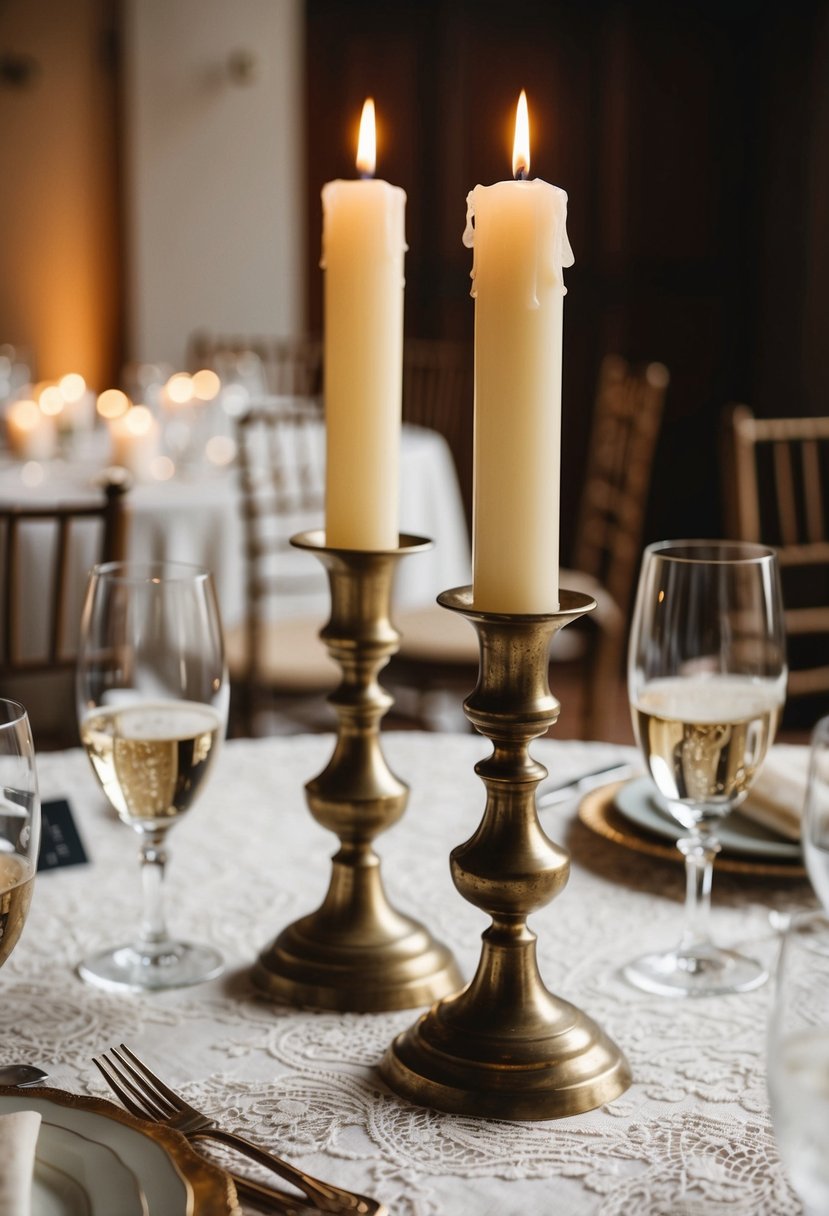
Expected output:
(699, 851)
(153, 932)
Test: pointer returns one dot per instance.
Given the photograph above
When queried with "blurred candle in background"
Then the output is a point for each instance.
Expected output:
(517, 230)
(134, 438)
(30, 432)
(363, 244)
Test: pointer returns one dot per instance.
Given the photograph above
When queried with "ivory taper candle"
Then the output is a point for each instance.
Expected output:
(517, 230)
(363, 243)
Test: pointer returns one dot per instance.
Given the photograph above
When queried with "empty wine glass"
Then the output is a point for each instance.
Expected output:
(798, 1059)
(706, 679)
(19, 823)
(152, 708)
(815, 826)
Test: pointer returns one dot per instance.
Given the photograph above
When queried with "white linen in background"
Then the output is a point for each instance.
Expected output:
(779, 791)
(691, 1135)
(18, 1141)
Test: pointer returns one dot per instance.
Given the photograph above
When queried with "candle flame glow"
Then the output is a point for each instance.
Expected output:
(26, 414)
(138, 420)
(180, 388)
(521, 145)
(52, 400)
(112, 403)
(367, 143)
(72, 387)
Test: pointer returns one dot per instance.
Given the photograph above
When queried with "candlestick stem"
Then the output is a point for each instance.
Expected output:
(505, 1047)
(357, 952)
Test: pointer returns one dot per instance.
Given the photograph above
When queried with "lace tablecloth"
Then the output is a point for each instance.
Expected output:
(692, 1135)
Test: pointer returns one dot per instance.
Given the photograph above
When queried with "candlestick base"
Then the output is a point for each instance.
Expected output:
(505, 1047)
(356, 952)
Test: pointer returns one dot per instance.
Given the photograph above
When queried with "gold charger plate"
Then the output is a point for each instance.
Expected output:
(200, 1188)
(597, 811)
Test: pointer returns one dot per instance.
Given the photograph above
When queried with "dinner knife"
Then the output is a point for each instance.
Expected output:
(552, 795)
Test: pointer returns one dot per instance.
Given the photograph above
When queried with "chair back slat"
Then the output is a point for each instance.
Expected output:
(784, 487)
(781, 469)
(813, 492)
(60, 569)
(626, 422)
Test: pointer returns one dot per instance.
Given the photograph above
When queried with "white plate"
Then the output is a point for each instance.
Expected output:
(641, 802)
(82, 1176)
(92, 1148)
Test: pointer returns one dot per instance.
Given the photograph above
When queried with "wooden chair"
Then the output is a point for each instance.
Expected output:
(290, 367)
(440, 649)
(437, 380)
(45, 552)
(275, 658)
(57, 578)
(780, 472)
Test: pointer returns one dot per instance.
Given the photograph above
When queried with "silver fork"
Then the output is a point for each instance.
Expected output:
(143, 1093)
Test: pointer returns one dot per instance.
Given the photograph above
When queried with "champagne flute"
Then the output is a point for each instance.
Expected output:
(815, 826)
(798, 1059)
(152, 707)
(707, 680)
(19, 823)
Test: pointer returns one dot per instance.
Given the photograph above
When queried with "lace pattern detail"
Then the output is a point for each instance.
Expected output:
(692, 1135)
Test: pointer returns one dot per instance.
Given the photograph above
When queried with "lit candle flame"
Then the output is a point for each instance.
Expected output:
(367, 143)
(521, 144)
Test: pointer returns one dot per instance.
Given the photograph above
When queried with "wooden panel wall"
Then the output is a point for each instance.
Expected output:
(692, 140)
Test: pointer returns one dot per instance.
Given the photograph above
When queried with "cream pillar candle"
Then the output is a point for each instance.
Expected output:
(30, 433)
(363, 243)
(517, 230)
(134, 438)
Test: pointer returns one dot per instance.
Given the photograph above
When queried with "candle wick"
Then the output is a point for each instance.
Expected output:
(365, 176)
(521, 175)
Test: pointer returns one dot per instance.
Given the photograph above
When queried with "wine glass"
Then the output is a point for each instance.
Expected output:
(707, 680)
(798, 1059)
(815, 826)
(19, 823)
(152, 707)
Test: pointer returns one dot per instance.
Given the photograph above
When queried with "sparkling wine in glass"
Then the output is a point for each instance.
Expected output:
(152, 707)
(798, 1059)
(707, 680)
(19, 823)
(815, 827)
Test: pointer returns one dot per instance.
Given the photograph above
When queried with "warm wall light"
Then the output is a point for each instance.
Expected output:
(367, 143)
(521, 143)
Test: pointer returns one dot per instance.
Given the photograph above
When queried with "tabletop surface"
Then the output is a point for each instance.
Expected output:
(691, 1135)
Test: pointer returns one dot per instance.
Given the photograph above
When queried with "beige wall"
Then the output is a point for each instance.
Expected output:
(58, 265)
(214, 172)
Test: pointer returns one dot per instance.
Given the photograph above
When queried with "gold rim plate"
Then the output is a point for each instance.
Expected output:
(204, 1190)
(597, 811)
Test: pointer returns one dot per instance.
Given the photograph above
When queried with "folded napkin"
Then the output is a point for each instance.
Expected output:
(777, 796)
(18, 1140)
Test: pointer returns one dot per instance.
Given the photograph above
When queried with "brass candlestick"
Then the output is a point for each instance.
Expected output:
(356, 952)
(505, 1047)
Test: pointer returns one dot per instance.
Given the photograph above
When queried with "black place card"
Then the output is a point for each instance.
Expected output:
(60, 844)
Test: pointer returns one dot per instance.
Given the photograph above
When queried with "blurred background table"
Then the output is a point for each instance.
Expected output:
(196, 517)
(692, 1134)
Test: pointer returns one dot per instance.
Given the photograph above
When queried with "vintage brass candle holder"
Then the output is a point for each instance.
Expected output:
(356, 952)
(505, 1047)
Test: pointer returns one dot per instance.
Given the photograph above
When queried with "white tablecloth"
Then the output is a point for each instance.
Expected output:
(691, 1136)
